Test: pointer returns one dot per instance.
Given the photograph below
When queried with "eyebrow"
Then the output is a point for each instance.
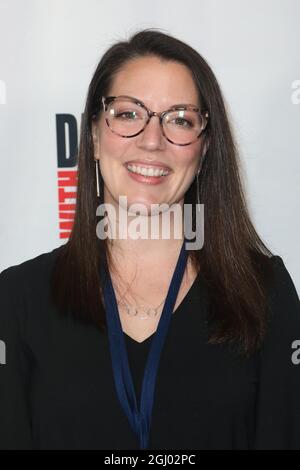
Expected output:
(177, 105)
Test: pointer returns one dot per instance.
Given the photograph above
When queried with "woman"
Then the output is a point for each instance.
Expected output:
(135, 343)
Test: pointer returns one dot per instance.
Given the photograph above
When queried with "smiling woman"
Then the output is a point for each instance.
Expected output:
(149, 140)
(135, 343)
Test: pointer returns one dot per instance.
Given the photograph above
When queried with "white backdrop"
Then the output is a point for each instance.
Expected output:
(48, 52)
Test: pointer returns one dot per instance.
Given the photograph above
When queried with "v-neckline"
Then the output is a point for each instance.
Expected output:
(174, 314)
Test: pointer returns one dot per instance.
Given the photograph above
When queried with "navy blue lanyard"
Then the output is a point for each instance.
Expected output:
(140, 420)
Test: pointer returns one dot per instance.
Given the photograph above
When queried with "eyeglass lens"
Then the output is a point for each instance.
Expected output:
(127, 118)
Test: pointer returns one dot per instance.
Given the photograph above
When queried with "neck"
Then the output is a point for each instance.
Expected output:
(147, 238)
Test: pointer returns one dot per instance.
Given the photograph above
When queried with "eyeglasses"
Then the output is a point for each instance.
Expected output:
(128, 117)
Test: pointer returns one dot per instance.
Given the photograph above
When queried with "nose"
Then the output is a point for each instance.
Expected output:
(152, 137)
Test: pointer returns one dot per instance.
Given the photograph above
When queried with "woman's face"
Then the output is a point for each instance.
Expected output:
(159, 85)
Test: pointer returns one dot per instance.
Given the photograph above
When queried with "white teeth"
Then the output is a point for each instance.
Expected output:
(147, 171)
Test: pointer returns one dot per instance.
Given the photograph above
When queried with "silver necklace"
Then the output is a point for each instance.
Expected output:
(143, 313)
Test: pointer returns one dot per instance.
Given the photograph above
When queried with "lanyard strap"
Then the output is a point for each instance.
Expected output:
(140, 420)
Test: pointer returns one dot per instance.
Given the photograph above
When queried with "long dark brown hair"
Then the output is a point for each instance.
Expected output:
(234, 261)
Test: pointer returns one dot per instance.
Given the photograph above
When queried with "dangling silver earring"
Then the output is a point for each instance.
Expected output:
(97, 177)
(198, 192)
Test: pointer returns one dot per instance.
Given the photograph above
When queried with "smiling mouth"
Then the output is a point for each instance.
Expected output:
(154, 171)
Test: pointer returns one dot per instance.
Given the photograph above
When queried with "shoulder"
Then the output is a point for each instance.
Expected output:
(282, 291)
(282, 276)
(34, 270)
(277, 399)
(24, 294)
(284, 308)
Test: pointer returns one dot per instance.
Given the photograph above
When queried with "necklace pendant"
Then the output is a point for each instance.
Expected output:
(131, 310)
(152, 312)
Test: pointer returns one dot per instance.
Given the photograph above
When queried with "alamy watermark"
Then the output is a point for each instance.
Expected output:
(296, 354)
(137, 222)
(2, 352)
(2, 92)
(295, 96)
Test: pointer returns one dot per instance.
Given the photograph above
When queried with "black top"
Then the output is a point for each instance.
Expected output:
(57, 389)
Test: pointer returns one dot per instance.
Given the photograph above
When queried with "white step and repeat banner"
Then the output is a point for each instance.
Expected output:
(48, 52)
